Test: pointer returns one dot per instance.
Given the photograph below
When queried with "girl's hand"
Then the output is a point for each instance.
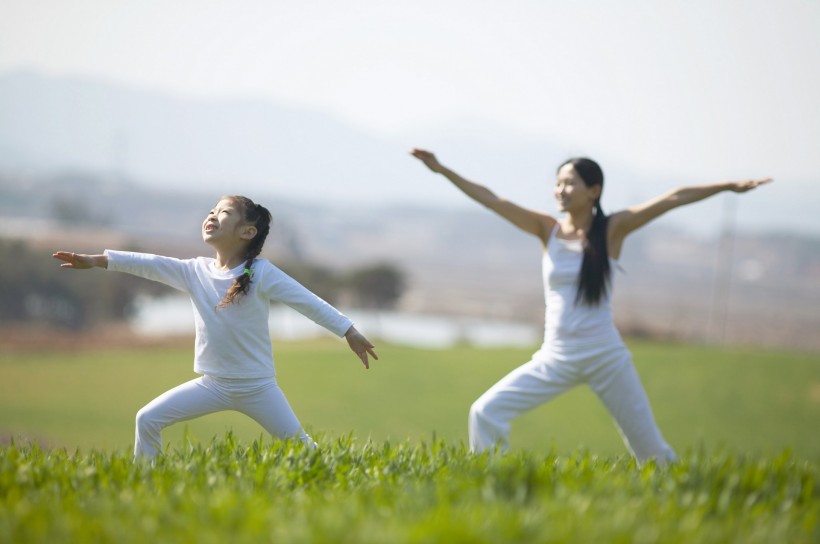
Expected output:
(428, 159)
(747, 185)
(360, 345)
(80, 261)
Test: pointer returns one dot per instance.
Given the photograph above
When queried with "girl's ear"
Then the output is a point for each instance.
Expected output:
(248, 233)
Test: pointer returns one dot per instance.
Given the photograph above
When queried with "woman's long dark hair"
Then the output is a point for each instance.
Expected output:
(594, 277)
(258, 216)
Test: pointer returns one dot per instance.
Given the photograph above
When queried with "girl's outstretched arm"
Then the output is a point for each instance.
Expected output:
(530, 221)
(81, 261)
(360, 345)
(633, 218)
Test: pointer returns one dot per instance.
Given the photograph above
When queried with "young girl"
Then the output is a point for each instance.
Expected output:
(581, 343)
(231, 295)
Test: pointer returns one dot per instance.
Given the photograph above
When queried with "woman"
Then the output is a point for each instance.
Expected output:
(581, 343)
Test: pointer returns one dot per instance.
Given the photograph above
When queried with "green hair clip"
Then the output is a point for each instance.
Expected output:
(248, 272)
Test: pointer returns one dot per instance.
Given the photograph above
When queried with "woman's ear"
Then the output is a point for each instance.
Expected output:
(596, 191)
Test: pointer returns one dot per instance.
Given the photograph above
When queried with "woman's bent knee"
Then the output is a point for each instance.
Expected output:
(145, 419)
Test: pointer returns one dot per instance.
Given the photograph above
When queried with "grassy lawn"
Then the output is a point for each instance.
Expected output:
(743, 401)
(392, 464)
(275, 491)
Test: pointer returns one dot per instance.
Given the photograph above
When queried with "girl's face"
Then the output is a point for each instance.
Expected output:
(226, 225)
(571, 193)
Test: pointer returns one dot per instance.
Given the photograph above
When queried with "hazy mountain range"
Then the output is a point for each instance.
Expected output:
(213, 146)
(71, 123)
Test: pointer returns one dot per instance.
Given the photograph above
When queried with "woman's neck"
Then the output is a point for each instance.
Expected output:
(576, 225)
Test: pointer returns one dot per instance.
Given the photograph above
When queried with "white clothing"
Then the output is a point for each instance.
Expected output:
(567, 324)
(233, 341)
(581, 345)
(259, 398)
(608, 371)
(233, 346)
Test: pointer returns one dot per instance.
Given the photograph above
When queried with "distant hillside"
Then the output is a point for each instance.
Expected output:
(52, 125)
(58, 124)
(75, 123)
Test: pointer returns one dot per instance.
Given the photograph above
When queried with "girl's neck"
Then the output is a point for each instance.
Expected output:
(228, 260)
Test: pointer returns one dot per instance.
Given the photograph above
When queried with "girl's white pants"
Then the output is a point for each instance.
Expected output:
(259, 398)
(609, 372)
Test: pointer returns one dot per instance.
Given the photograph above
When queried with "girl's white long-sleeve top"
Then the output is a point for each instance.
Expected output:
(232, 341)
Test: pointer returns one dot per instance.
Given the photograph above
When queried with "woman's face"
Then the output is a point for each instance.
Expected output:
(571, 193)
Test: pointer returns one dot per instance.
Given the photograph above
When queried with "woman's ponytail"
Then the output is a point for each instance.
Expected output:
(594, 277)
(593, 280)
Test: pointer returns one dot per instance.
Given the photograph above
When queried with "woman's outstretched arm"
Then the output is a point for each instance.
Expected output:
(624, 222)
(530, 221)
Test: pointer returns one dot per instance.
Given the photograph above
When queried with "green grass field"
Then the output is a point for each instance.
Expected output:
(393, 467)
(399, 492)
(744, 401)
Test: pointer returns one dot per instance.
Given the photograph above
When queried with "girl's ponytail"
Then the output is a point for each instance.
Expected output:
(258, 216)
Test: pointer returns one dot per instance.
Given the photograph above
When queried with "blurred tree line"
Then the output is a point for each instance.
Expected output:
(35, 290)
(375, 286)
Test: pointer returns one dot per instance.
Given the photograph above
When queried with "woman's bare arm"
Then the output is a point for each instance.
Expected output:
(530, 221)
(624, 222)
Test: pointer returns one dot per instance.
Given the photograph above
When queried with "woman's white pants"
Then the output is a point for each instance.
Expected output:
(259, 398)
(609, 372)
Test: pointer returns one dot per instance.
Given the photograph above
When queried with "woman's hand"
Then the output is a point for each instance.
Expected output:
(429, 160)
(360, 345)
(81, 261)
(746, 185)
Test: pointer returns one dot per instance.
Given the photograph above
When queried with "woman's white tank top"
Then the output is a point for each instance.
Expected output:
(567, 324)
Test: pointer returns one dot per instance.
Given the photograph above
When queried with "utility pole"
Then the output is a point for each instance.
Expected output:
(722, 285)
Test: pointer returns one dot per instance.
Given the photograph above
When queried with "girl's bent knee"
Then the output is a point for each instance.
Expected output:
(482, 413)
(477, 410)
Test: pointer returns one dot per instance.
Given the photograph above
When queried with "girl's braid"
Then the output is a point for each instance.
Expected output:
(258, 216)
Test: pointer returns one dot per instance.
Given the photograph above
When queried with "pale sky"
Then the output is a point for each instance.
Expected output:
(708, 89)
